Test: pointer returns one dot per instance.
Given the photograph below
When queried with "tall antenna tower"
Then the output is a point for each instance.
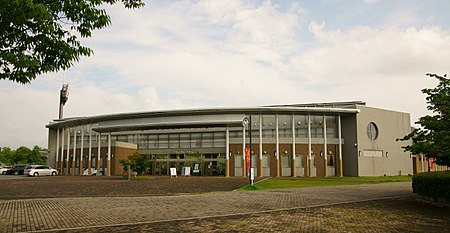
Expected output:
(63, 97)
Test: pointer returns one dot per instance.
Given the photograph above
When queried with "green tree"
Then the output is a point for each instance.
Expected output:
(40, 36)
(7, 155)
(22, 155)
(138, 162)
(433, 138)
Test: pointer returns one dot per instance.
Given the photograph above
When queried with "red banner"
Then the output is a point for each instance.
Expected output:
(247, 158)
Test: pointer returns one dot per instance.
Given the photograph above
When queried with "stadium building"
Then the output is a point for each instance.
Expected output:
(320, 139)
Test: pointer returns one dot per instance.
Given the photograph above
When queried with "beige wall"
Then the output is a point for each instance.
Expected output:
(391, 125)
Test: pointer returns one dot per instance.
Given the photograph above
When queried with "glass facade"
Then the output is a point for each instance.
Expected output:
(217, 139)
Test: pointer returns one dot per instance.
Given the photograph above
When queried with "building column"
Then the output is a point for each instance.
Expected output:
(68, 152)
(277, 149)
(244, 164)
(309, 161)
(260, 169)
(423, 162)
(227, 152)
(293, 164)
(61, 166)
(99, 150)
(81, 150)
(325, 146)
(57, 150)
(108, 164)
(90, 150)
(74, 158)
(340, 146)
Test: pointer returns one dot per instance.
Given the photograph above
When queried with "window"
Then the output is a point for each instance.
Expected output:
(372, 131)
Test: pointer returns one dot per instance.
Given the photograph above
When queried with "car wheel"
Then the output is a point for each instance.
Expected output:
(36, 174)
(16, 173)
(3, 173)
(53, 173)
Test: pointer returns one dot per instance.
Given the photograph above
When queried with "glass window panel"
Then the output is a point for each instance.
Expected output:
(196, 140)
(122, 138)
(285, 161)
(152, 141)
(185, 140)
(163, 141)
(174, 141)
(219, 139)
(207, 139)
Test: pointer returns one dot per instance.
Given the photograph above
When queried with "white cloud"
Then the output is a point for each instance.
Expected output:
(190, 54)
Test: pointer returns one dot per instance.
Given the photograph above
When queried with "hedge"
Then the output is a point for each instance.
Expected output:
(433, 185)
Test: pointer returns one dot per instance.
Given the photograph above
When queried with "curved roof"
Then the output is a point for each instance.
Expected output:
(287, 109)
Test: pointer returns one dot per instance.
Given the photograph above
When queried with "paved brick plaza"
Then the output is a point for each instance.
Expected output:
(385, 207)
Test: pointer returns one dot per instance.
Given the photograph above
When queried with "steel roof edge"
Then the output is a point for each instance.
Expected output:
(209, 111)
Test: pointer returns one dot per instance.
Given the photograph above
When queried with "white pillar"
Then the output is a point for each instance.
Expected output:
(277, 146)
(227, 152)
(244, 165)
(81, 150)
(57, 149)
(293, 166)
(309, 147)
(423, 162)
(75, 134)
(108, 165)
(61, 166)
(325, 146)
(340, 145)
(99, 147)
(260, 146)
(90, 150)
(68, 152)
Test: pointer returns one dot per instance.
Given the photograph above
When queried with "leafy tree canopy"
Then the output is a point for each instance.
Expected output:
(22, 155)
(138, 162)
(40, 36)
(433, 138)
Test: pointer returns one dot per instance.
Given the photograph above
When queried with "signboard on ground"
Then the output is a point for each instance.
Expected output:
(185, 171)
(173, 171)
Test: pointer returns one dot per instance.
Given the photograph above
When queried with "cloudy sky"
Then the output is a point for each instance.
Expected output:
(191, 54)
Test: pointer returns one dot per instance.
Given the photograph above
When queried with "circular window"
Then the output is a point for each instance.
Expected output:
(372, 131)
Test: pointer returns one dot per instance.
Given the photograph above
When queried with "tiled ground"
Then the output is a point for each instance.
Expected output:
(386, 207)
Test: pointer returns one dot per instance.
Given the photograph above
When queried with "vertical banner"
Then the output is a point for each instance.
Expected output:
(247, 159)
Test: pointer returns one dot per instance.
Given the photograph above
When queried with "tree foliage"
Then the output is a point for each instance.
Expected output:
(22, 155)
(40, 36)
(138, 162)
(433, 138)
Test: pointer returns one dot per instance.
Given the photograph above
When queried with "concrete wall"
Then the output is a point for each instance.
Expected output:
(384, 155)
(349, 150)
(52, 148)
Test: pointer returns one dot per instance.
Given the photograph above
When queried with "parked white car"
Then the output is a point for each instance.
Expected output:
(40, 170)
(3, 169)
(93, 172)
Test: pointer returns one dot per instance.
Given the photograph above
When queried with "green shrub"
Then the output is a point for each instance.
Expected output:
(434, 185)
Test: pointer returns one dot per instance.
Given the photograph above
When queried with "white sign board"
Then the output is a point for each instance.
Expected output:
(173, 171)
(252, 174)
(186, 171)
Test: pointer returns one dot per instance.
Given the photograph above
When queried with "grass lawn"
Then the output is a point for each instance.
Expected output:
(302, 182)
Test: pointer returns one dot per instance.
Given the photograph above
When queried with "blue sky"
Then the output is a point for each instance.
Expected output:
(190, 54)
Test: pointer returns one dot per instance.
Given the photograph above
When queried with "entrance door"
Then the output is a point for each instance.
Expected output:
(299, 165)
(238, 165)
(286, 165)
(266, 165)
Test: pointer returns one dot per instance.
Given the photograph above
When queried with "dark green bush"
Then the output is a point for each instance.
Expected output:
(434, 185)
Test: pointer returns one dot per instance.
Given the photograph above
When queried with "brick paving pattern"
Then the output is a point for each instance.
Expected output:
(385, 207)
